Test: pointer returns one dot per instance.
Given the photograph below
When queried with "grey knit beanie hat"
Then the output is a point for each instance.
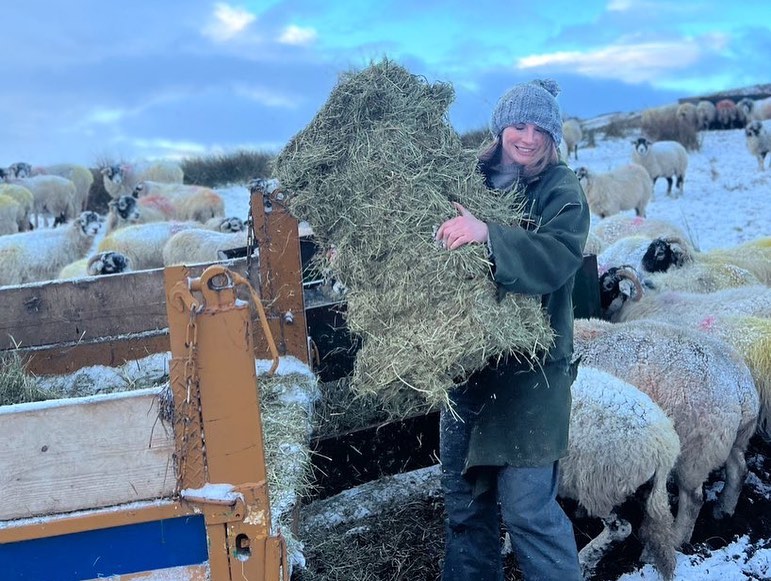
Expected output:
(532, 102)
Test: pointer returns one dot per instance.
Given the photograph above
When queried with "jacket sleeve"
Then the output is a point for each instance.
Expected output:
(541, 259)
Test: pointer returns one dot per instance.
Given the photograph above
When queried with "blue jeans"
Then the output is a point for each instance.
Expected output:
(541, 533)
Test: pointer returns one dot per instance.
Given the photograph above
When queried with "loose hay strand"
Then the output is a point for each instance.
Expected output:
(374, 174)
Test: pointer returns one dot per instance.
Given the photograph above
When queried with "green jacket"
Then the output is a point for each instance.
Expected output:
(522, 412)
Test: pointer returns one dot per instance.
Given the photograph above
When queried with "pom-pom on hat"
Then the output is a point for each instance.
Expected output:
(532, 102)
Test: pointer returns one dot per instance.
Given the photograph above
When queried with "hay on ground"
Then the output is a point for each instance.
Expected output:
(374, 174)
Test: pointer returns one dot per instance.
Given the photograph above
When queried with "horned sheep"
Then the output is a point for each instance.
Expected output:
(97, 264)
(758, 142)
(619, 440)
(40, 255)
(662, 159)
(622, 299)
(572, 135)
(702, 385)
(121, 179)
(624, 188)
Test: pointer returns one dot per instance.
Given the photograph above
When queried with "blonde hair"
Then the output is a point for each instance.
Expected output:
(548, 156)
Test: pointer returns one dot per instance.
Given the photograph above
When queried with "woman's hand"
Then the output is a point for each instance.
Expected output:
(463, 229)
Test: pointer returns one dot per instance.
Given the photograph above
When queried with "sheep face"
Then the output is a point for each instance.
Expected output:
(114, 173)
(641, 145)
(20, 169)
(108, 263)
(89, 223)
(618, 285)
(663, 254)
(232, 224)
(125, 207)
(753, 129)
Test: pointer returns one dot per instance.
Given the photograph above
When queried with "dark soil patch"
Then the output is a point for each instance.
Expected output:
(405, 540)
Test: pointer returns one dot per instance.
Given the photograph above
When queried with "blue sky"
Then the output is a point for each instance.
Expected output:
(91, 80)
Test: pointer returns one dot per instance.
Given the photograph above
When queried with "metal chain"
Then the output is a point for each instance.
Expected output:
(192, 396)
(249, 238)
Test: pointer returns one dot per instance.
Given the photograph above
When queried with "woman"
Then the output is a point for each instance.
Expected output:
(512, 417)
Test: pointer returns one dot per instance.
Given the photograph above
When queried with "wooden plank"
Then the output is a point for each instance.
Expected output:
(81, 309)
(189, 573)
(62, 359)
(86, 309)
(65, 455)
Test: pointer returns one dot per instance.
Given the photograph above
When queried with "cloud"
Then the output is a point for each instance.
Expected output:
(228, 22)
(630, 63)
(296, 35)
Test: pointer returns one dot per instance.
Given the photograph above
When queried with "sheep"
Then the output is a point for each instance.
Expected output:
(9, 214)
(751, 338)
(636, 251)
(700, 278)
(230, 224)
(622, 298)
(706, 114)
(80, 175)
(26, 202)
(727, 114)
(758, 142)
(654, 119)
(755, 109)
(702, 385)
(121, 179)
(97, 264)
(619, 440)
(620, 226)
(51, 194)
(41, 254)
(190, 202)
(127, 210)
(662, 159)
(753, 257)
(571, 135)
(687, 115)
(20, 169)
(198, 245)
(143, 243)
(623, 188)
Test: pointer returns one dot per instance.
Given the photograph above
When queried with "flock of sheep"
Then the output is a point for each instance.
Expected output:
(675, 378)
(154, 220)
(627, 188)
(673, 381)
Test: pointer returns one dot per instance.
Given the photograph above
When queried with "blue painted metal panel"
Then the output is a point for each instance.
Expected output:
(104, 552)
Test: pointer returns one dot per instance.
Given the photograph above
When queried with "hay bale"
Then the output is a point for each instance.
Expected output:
(374, 174)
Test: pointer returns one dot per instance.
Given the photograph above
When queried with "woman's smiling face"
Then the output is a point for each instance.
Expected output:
(522, 143)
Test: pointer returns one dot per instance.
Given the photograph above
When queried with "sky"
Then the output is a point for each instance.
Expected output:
(87, 81)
